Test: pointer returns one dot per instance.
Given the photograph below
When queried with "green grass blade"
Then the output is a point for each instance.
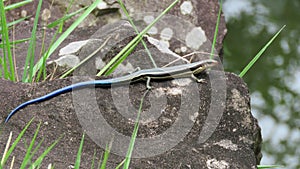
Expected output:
(67, 11)
(123, 57)
(36, 149)
(77, 163)
(27, 157)
(134, 134)
(85, 59)
(93, 161)
(257, 56)
(6, 148)
(106, 155)
(37, 77)
(64, 36)
(120, 165)
(42, 70)
(99, 162)
(137, 31)
(7, 49)
(29, 62)
(16, 21)
(216, 31)
(1, 64)
(38, 161)
(15, 143)
(66, 17)
(16, 42)
(136, 39)
(17, 5)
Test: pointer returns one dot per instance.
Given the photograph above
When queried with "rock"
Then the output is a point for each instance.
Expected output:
(106, 11)
(235, 143)
(201, 14)
(68, 61)
(183, 124)
(188, 10)
(72, 48)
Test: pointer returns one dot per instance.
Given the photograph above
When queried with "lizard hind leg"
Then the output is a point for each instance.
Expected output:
(197, 79)
(149, 87)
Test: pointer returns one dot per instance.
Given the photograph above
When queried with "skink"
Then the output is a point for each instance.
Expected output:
(179, 71)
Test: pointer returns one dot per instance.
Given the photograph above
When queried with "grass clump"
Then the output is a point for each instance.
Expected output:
(32, 70)
(30, 152)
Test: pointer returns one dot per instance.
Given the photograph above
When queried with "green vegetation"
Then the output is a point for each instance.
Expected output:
(259, 54)
(35, 71)
(30, 152)
(31, 69)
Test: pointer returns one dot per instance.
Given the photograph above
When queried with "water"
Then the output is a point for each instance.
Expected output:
(274, 81)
